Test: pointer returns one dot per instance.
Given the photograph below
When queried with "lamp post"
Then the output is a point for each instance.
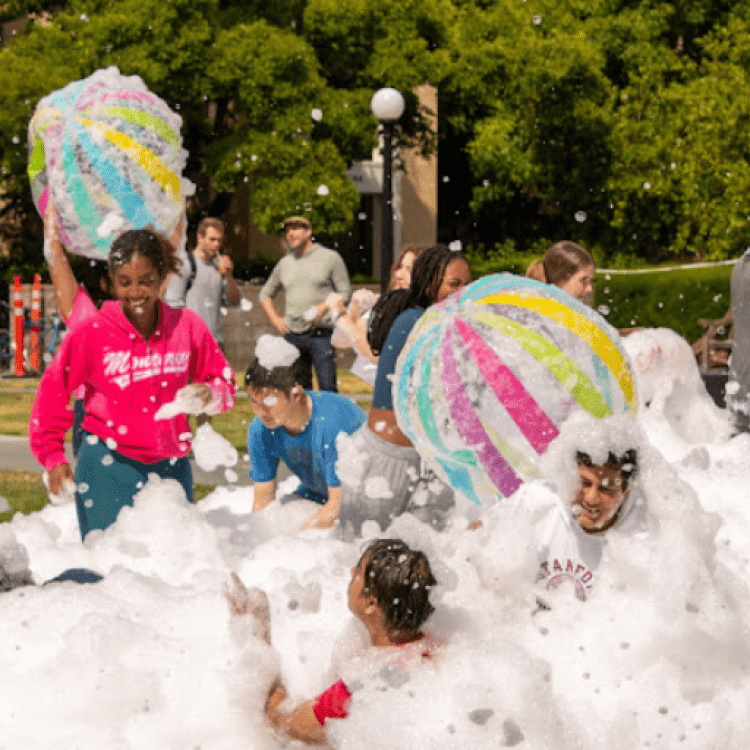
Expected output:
(387, 105)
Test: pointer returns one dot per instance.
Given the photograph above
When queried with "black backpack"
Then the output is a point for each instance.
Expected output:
(193, 271)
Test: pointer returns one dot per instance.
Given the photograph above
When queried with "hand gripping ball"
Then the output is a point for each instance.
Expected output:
(488, 376)
(111, 154)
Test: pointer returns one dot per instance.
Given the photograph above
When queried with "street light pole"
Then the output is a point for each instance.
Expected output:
(387, 105)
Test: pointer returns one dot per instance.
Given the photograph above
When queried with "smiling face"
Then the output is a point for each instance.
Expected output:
(136, 285)
(298, 237)
(581, 285)
(600, 496)
(457, 275)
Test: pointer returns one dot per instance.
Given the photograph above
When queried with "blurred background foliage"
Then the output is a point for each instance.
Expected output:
(619, 124)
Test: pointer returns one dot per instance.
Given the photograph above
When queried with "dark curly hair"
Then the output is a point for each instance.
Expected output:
(400, 579)
(426, 277)
(152, 246)
(627, 463)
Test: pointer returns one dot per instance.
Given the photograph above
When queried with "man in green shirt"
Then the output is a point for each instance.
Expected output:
(308, 274)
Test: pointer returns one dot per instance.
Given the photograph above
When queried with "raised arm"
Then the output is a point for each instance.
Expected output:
(63, 280)
(232, 291)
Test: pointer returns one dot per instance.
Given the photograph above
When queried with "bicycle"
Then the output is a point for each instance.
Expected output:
(7, 354)
(50, 331)
(7, 351)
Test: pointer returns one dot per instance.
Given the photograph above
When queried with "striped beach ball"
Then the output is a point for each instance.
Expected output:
(488, 376)
(111, 154)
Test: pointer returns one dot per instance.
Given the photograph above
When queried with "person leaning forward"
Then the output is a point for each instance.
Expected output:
(308, 274)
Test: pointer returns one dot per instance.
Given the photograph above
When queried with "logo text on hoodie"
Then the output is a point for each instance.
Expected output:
(122, 368)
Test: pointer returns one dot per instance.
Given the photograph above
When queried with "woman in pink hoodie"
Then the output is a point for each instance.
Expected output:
(133, 357)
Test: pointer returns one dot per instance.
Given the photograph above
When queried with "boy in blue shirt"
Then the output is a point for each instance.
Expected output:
(300, 428)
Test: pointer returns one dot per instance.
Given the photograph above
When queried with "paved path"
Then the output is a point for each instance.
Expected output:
(16, 455)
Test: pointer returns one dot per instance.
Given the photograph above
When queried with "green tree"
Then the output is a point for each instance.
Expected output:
(245, 88)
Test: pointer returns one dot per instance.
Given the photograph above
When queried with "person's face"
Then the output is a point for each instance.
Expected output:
(581, 285)
(272, 407)
(209, 243)
(457, 275)
(297, 236)
(600, 495)
(136, 284)
(402, 275)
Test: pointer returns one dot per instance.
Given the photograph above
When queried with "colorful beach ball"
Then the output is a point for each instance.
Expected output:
(111, 154)
(488, 376)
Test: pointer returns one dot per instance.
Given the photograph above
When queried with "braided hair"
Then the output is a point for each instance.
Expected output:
(400, 579)
(426, 277)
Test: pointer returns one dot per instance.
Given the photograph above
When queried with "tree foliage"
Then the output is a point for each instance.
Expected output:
(620, 124)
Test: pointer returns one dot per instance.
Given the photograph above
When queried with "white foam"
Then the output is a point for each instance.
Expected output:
(658, 655)
(275, 351)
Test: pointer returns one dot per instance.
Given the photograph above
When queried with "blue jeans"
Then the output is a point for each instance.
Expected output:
(79, 412)
(315, 349)
(106, 481)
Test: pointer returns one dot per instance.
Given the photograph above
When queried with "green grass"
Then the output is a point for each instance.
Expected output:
(15, 407)
(23, 491)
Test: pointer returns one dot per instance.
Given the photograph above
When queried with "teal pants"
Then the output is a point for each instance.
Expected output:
(107, 481)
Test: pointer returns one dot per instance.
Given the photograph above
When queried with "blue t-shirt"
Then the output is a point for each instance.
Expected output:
(382, 396)
(312, 454)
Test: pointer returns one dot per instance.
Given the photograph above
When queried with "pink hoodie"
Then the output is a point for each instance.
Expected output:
(127, 380)
(83, 309)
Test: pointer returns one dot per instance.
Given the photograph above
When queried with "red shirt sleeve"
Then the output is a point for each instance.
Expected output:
(333, 703)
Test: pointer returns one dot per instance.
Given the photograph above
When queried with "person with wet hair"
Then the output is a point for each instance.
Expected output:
(573, 534)
(398, 580)
(437, 273)
(568, 266)
(298, 427)
(133, 356)
(389, 593)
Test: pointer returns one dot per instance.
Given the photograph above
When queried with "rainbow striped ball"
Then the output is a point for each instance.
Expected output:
(488, 376)
(110, 153)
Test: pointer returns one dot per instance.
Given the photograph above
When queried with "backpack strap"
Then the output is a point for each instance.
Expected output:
(193, 271)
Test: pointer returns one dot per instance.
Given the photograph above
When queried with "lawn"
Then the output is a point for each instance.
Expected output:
(16, 398)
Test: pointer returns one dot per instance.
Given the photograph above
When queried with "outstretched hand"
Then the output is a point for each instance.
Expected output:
(252, 602)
